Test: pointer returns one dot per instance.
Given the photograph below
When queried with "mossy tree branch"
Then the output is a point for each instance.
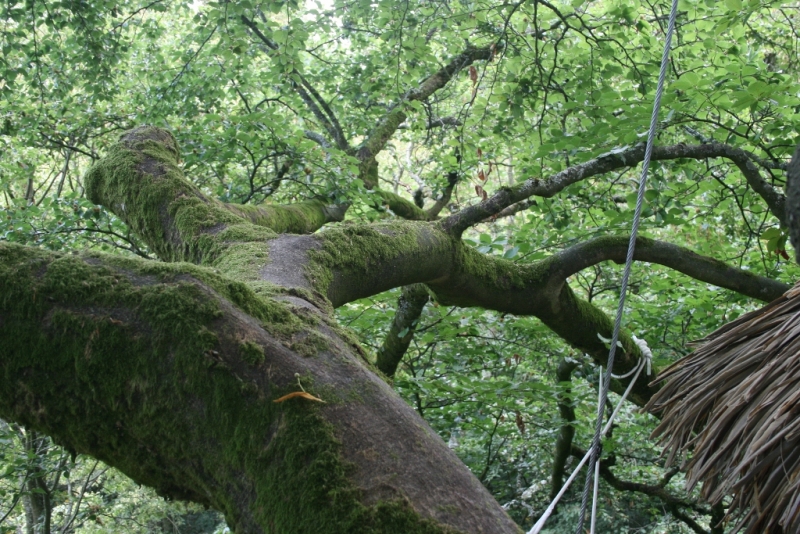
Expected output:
(566, 432)
(409, 309)
(141, 183)
(171, 373)
(365, 261)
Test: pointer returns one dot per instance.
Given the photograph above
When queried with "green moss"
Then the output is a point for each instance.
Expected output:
(139, 179)
(118, 356)
(310, 343)
(355, 248)
(251, 352)
(400, 206)
(299, 218)
(498, 272)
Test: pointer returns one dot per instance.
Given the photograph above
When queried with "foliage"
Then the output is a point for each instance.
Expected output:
(568, 82)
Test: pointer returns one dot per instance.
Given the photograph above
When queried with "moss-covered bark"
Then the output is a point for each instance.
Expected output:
(409, 308)
(170, 372)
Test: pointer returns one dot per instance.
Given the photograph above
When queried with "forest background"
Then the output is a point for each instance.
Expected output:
(267, 99)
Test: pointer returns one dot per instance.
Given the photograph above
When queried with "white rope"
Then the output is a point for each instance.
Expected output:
(547, 513)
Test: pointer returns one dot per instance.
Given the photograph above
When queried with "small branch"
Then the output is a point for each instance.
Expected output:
(317, 138)
(566, 432)
(313, 100)
(409, 309)
(447, 194)
(381, 134)
(62, 144)
(456, 224)
(515, 208)
(673, 503)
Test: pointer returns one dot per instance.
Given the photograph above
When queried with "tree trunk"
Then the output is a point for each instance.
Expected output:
(171, 373)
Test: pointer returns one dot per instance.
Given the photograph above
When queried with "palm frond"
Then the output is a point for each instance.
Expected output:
(735, 404)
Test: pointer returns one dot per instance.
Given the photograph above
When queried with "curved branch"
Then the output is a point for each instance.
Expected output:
(365, 261)
(381, 134)
(140, 181)
(618, 159)
(703, 268)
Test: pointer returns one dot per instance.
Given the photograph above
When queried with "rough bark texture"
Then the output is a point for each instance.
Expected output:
(170, 371)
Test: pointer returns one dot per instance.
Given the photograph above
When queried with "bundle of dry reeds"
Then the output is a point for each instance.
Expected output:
(735, 404)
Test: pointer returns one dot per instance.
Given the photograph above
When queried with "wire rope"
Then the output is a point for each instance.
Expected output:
(595, 448)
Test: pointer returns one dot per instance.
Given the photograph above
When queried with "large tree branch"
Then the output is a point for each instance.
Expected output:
(358, 262)
(177, 376)
(457, 223)
(140, 182)
(702, 268)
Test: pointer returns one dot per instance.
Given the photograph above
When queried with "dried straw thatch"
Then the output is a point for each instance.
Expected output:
(740, 392)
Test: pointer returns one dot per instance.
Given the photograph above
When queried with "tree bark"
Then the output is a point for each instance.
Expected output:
(171, 372)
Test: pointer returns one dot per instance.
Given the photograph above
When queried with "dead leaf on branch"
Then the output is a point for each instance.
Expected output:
(301, 394)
